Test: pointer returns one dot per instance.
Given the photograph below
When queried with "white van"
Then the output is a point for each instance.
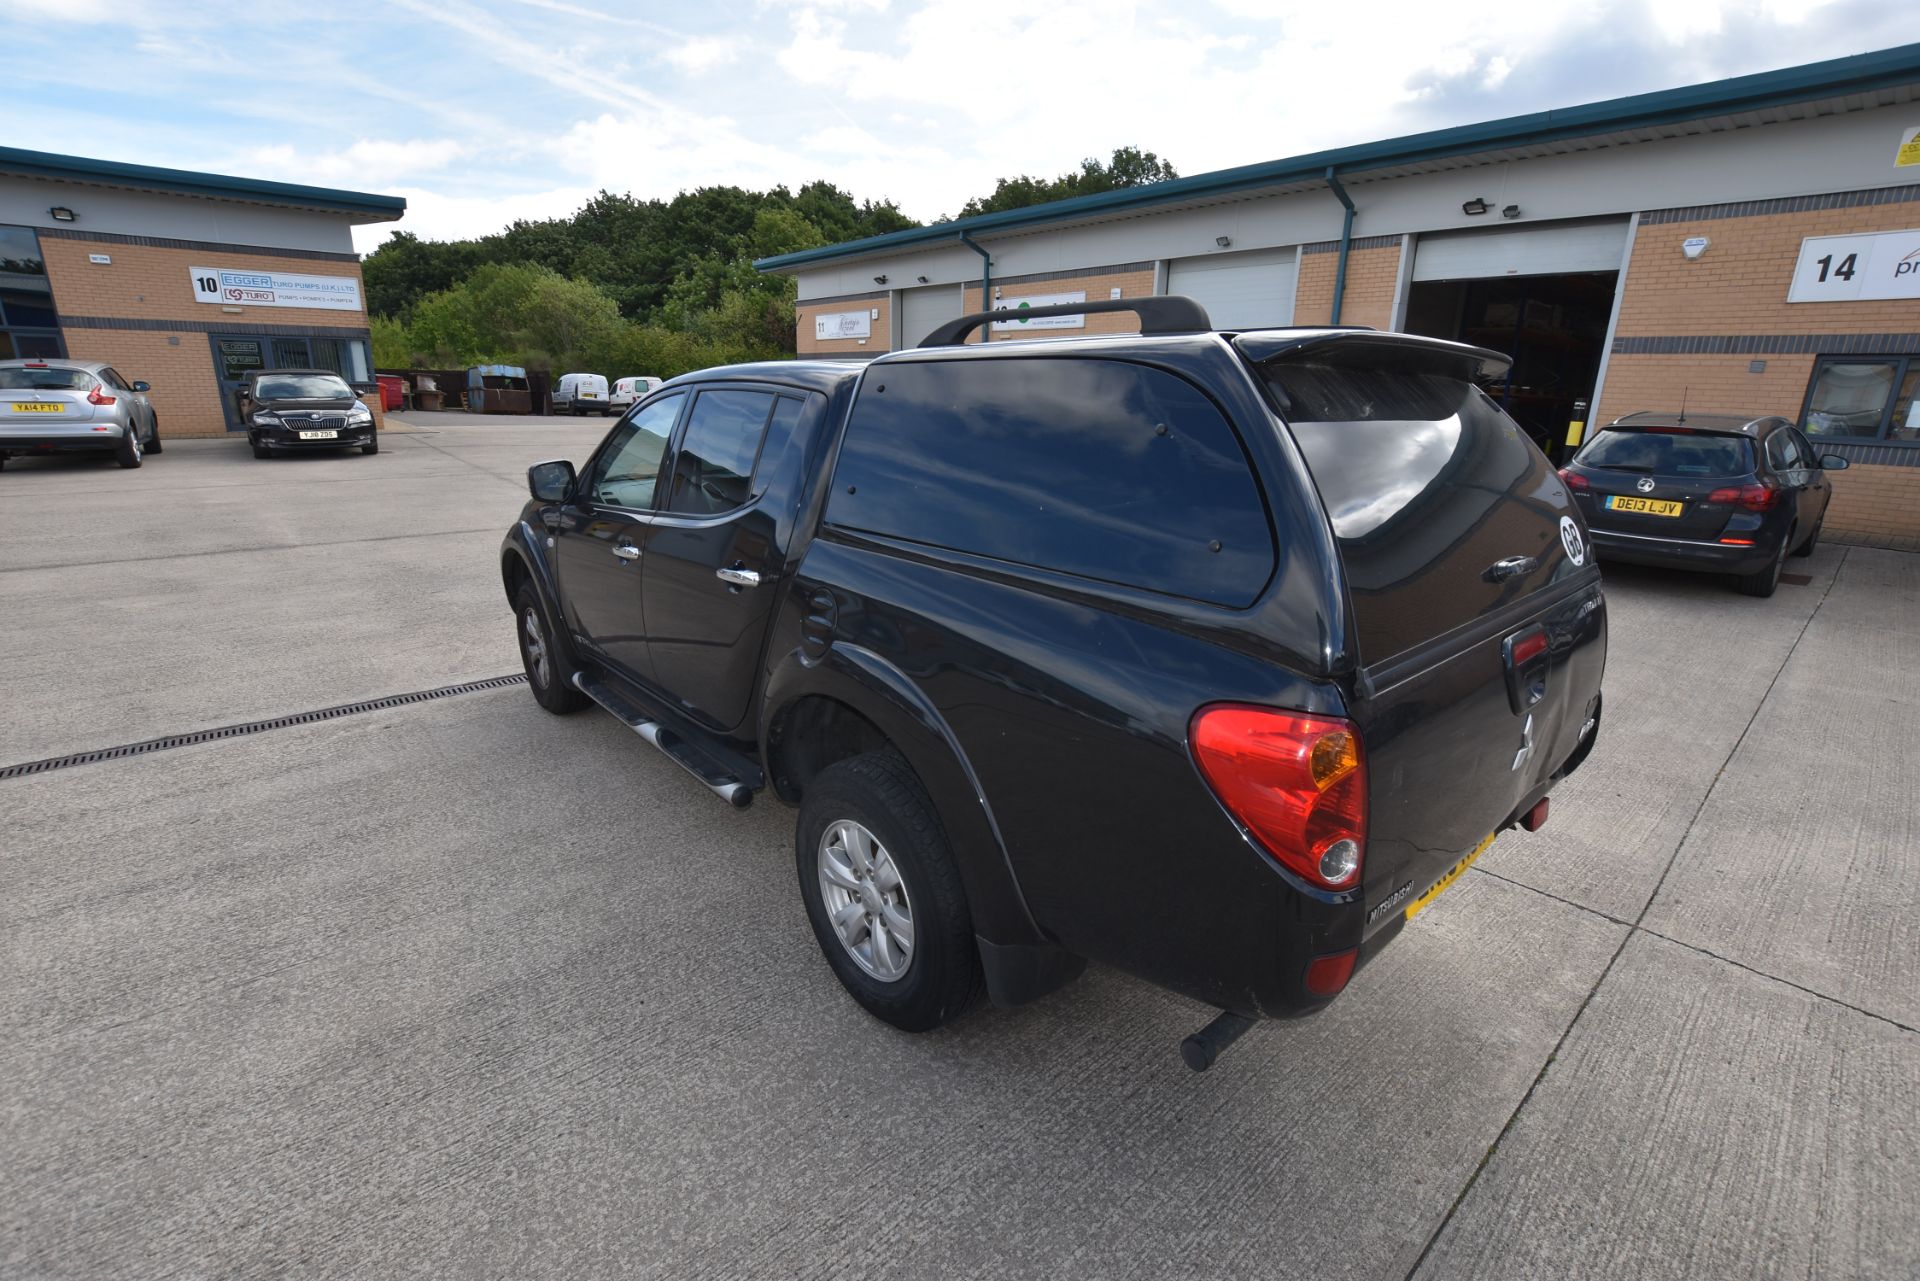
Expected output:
(581, 394)
(628, 390)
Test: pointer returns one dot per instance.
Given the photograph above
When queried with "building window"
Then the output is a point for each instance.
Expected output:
(1864, 399)
(28, 325)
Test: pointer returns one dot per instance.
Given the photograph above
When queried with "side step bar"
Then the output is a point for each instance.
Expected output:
(676, 747)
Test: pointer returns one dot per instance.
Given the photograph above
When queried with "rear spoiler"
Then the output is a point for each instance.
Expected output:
(1371, 348)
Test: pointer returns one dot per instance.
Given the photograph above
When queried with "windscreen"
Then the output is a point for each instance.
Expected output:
(1427, 484)
(302, 387)
(17, 379)
(1658, 453)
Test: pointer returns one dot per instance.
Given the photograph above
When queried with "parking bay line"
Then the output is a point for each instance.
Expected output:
(245, 728)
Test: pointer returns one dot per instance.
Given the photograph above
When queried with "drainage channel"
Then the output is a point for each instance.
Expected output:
(257, 727)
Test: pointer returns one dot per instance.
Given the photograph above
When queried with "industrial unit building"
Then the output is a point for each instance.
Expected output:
(1750, 245)
(184, 280)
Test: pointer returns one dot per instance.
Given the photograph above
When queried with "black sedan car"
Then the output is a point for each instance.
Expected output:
(1725, 493)
(299, 409)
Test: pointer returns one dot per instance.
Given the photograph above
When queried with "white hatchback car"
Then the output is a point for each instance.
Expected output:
(628, 391)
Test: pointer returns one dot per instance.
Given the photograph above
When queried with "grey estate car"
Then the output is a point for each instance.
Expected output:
(59, 406)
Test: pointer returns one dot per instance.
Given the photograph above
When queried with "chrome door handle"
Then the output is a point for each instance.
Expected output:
(627, 551)
(738, 577)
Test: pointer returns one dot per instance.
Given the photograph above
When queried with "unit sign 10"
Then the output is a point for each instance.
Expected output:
(1857, 268)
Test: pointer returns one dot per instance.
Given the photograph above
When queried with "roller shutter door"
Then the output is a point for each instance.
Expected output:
(1240, 291)
(922, 310)
(1550, 249)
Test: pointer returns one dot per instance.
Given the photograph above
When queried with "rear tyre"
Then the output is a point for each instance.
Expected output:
(1762, 582)
(883, 895)
(540, 658)
(128, 452)
(1813, 539)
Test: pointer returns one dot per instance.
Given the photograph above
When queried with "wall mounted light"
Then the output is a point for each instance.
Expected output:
(921, 279)
(1474, 207)
(1223, 241)
(879, 280)
(63, 214)
(1511, 211)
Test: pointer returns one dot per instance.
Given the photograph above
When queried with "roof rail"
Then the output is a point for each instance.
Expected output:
(1163, 314)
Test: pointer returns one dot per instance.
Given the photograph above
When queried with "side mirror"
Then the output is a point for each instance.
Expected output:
(552, 481)
(142, 387)
(1834, 462)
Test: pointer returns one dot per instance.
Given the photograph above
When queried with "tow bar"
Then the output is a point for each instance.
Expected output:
(1210, 1042)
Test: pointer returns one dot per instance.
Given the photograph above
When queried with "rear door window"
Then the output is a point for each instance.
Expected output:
(1101, 469)
(1658, 453)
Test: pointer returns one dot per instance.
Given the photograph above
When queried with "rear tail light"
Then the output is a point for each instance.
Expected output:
(1297, 782)
(1753, 498)
(1328, 975)
(1573, 479)
(95, 397)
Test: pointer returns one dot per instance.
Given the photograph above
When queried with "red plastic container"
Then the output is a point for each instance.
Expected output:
(392, 390)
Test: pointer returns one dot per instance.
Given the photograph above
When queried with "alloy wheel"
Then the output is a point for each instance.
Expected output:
(536, 643)
(866, 900)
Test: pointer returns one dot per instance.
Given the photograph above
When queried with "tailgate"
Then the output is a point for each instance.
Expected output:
(1475, 602)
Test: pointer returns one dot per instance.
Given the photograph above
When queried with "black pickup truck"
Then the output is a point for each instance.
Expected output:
(1207, 655)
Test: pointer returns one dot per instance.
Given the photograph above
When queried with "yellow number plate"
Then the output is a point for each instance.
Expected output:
(38, 407)
(1645, 506)
(1453, 874)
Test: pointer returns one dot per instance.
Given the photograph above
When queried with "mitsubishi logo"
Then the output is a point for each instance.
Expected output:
(1526, 744)
(1644, 484)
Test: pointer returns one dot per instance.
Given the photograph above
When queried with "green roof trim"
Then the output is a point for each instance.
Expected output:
(42, 164)
(1859, 73)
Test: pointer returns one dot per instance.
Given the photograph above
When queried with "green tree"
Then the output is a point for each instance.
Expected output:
(1129, 167)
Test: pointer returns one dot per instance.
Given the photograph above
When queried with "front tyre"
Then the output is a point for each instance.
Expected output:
(373, 443)
(153, 436)
(540, 658)
(883, 895)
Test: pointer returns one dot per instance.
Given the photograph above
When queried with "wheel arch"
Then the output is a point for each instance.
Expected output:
(852, 700)
(521, 565)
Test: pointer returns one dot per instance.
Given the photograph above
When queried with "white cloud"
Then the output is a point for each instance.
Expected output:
(703, 53)
(368, 163)
(433, 215)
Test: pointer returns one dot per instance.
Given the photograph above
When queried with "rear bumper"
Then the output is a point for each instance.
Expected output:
(1683, 553)
(66, 442)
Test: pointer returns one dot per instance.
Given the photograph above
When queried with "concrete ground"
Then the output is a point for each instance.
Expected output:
(463, 989)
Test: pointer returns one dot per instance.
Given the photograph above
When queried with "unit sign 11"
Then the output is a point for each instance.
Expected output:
(1856, 268)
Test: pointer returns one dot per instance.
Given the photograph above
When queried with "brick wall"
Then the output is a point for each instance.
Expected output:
(1098, 286)
(1738, 288)
(154, 285)
(878, 341)
(1876, 505)
(1371, 274)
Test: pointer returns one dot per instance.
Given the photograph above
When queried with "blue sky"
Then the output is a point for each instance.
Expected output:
(481, 111)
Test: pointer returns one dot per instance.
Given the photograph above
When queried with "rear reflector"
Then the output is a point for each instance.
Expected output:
(1738, 542)
(1536, 818)
(1529, 647)
(1297, 782)
(1328, 975)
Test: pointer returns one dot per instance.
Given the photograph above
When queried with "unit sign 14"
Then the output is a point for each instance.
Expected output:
(1857, 268)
